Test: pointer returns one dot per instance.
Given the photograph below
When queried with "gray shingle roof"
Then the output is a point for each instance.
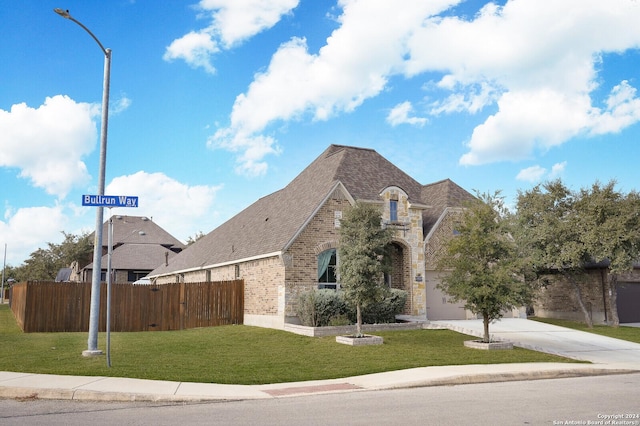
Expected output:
(138, 256)
(138, 229)
(270, 223)
(440, 195)
(139, 243)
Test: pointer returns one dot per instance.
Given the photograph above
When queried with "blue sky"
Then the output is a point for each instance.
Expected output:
(218, 103)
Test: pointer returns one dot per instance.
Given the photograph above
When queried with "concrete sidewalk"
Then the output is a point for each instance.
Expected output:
(30, 386)
(611, 356)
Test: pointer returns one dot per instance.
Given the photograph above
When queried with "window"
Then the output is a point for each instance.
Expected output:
(136, 275)
(237, 271)
(327, 269)
(393, 210)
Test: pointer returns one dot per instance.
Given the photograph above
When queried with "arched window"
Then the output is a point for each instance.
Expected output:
(327, 269)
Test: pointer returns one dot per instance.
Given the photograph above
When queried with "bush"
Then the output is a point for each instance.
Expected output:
(317, 308)
(384, 311)
(320, 308)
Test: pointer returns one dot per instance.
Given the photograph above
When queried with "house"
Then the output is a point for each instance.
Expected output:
(559, 299)
(285, 243)
(139, 246)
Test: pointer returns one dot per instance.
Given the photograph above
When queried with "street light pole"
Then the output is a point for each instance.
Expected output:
(4, 266)
(94, 313)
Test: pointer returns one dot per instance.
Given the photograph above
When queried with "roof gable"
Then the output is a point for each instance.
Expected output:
(268, 225)
(138, 243)
(138, 230)
(440, 195)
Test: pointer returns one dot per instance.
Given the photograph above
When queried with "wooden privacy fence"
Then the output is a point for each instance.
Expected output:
(65, 307)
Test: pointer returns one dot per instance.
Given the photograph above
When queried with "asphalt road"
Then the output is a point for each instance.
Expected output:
(607, 400)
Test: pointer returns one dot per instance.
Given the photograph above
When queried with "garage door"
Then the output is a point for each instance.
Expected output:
(438, 306)
(629, 302)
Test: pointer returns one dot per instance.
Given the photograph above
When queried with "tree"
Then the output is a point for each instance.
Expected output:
(44, 264)
(565, 231)
(550, 235)
(482, 262)
(362, 257)
(195, 238)
(611, 230)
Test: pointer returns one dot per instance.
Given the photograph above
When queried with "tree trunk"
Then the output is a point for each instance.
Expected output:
(485, 321)
(358, 320)
(613, 300)
(583, 308)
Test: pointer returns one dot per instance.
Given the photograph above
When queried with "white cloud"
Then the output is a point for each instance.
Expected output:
(528, 120)
(195, 48)
(537, 173)
(120, 105)
(535, 62)
(237, 20)
(622, 110)
(353, 66)
(470, 98)
(557, 170)
(23, 238)
(47, 143)
(232, 22)
(400, 115)
(531, 174)
(531, 73)
(180, 209)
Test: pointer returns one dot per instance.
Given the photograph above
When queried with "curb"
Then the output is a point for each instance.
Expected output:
(513, 377)
(349, 385)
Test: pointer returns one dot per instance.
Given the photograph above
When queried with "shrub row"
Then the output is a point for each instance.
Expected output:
(319, 308)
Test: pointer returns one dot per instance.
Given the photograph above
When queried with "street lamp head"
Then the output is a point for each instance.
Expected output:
(63, 13)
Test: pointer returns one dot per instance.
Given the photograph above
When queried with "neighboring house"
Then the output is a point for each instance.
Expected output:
(139, 246)
(558, 298)
(285, 243)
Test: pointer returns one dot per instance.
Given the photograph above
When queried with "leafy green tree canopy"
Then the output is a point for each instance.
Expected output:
(44, 264)
(363, 245)
(482, 262)
(565, 231)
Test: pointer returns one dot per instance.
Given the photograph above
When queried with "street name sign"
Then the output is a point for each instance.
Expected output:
(109, 201)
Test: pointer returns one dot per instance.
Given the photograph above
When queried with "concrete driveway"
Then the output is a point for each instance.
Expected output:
(552, 339)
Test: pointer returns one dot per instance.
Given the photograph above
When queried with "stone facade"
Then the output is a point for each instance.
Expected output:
(322, 233)
(409, 241)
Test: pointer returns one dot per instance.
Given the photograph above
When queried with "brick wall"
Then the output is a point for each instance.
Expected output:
(437, 301)
(261, 279)
(302, 257)
(442, 232)
(559, 300)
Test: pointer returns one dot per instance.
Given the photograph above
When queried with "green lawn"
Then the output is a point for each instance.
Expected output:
(239, 354)
(631, 334)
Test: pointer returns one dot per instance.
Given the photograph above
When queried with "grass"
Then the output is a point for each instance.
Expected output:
(239, 354)
(631, 334)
